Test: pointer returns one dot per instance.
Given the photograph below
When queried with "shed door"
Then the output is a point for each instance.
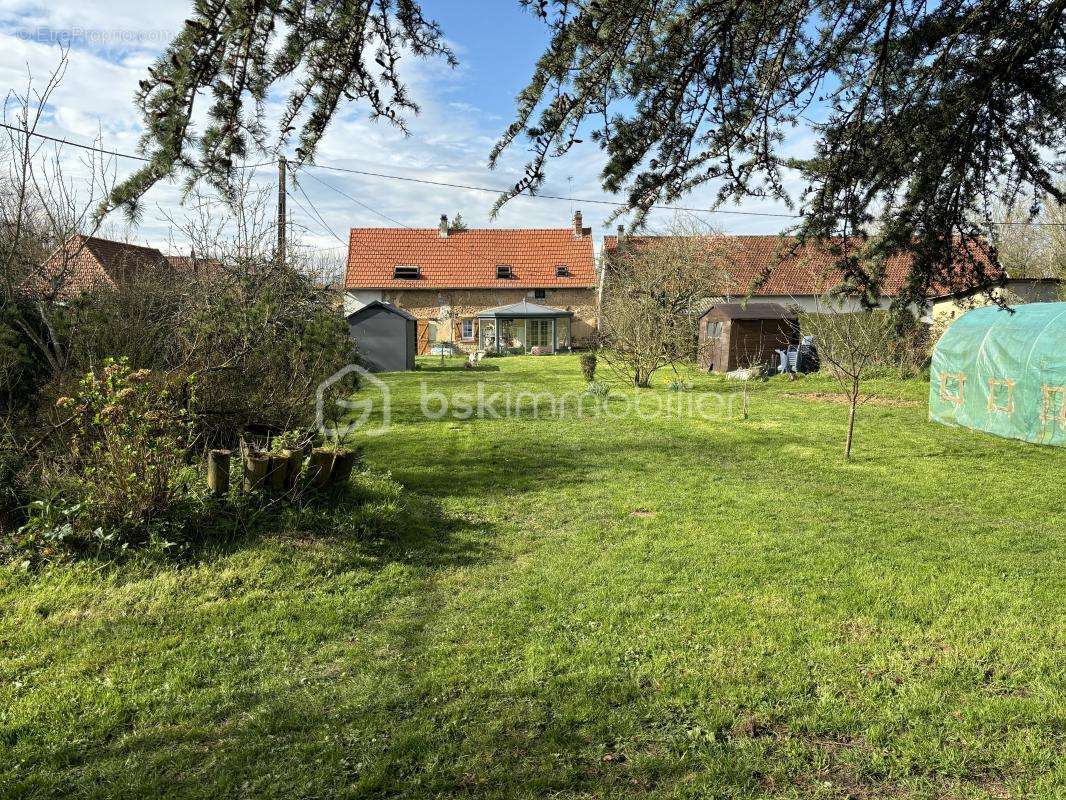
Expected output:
(423, 337)
(713, 346)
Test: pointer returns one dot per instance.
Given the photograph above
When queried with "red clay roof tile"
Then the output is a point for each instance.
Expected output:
(809, 270)
(468, 259)
(84, 263)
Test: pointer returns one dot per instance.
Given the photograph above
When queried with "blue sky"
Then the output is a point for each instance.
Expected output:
(464, 111)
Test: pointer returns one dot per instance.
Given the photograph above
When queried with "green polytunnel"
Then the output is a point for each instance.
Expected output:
(1003, 371)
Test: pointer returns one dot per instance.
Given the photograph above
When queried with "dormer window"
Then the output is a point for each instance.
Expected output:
(562, 271)
(406, 273)
(503, 271)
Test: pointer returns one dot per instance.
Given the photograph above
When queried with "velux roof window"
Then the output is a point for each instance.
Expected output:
(406, 272)
(503, 271)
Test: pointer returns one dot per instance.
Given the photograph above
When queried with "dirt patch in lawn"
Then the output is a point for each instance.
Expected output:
(642, 513)
(872, 399)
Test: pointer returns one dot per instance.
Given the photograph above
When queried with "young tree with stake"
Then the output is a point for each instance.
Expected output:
(849, 345)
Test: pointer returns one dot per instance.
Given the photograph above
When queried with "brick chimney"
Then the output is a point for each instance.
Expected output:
(579, 227)
(444, 225)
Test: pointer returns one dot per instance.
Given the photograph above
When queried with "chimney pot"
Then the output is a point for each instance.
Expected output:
(579, 227)
(444, 225)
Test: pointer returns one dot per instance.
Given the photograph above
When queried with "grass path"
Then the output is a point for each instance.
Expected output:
(580, 607)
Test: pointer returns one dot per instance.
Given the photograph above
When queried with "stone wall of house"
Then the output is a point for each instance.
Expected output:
(448, 306)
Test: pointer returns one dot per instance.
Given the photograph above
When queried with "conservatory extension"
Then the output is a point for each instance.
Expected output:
(525, 327)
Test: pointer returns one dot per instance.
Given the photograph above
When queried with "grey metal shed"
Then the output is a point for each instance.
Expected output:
(385, 336)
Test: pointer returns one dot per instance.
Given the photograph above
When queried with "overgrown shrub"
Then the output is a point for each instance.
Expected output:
(588, 366)
(254, 333)
(22, 369)
(129, 432)
(48, 532)
(910, 346)
(12, 496)
(258, 337)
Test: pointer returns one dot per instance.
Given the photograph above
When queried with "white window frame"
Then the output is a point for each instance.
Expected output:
(463, 334)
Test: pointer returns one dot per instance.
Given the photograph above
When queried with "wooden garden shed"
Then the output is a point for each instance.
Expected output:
(738, 335)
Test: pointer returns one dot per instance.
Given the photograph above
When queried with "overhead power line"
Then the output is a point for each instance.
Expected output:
(322, 221)
(358, 202)
(23, 131)
(447, 242)
(104, 150)
(474, 188)
(588, 201)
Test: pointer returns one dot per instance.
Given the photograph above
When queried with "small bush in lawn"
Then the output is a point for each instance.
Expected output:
(588, 366)
(128, 440)
(679, 386)
(596, 389)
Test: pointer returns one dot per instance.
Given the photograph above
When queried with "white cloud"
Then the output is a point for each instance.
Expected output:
(449, 141)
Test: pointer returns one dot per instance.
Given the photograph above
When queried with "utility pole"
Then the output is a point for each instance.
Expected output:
(282, 213)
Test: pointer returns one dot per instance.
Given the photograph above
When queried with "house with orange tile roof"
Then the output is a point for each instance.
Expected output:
(480, 289)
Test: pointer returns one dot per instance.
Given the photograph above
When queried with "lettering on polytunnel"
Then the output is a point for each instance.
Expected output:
(951, 387)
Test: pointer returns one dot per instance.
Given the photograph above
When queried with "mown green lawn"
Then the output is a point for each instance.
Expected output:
(587, 606)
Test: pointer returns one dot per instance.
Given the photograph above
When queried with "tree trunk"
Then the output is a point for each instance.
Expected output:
(853, 402)
(277, 471)
(292, 473)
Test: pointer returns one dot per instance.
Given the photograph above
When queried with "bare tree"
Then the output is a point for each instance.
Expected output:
(654, 288)
(1034, 249)
(40, 210)
(849, 345)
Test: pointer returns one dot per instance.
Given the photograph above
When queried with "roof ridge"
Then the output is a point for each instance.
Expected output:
(469, 230)
(116, 242)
